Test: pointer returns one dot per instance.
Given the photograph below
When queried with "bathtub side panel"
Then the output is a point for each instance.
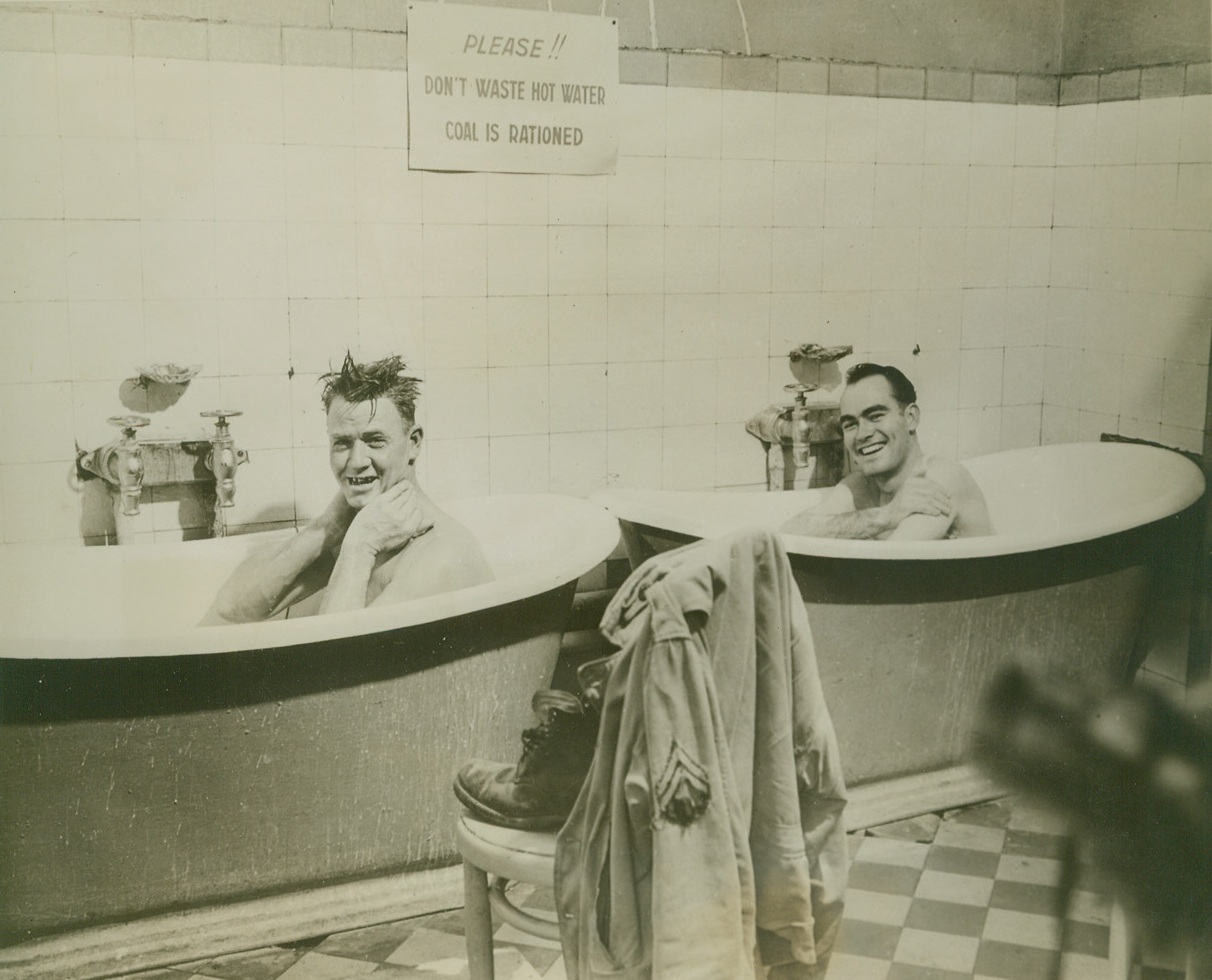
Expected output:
(290, 771)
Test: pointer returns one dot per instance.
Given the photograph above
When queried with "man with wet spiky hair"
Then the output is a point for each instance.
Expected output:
(381, 539)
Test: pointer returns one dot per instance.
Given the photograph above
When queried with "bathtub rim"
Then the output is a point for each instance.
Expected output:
(1179, 486)
(596, 537)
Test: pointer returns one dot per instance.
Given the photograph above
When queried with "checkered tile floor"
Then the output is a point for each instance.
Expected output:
(975, 903)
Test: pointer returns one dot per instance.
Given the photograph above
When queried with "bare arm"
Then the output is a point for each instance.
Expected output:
(384, 526)
(918, 502)
(267, 582)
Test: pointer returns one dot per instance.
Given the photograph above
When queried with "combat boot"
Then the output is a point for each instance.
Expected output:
(537, 793)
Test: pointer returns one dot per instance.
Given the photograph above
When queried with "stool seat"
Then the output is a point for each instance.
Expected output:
(508, 855)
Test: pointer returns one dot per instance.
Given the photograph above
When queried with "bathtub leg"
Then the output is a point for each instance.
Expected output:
(1121, 955)
(477, 923)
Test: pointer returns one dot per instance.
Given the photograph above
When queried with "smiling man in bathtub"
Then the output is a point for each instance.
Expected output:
(381, 539)
(894, 490)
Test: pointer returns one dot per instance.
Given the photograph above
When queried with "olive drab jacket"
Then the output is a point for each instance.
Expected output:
(707, 840)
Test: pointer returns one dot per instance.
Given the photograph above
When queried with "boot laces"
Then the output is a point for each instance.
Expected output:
(555, 710)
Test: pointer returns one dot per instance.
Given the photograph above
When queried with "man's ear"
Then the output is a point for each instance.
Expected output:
(416, 436)
(913, 414)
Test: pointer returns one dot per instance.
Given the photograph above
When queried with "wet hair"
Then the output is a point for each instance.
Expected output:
(384, 378)
(902, 388)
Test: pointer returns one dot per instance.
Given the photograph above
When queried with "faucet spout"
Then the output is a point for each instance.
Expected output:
(124, 461)
(224, 457)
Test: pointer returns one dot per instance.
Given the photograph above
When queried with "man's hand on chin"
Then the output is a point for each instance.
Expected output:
(389, 521)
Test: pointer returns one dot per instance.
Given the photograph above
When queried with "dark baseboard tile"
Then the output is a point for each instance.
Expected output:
(1078, 89)
(1119, 86)
(693, 70)
(1038, 90)
(901, 83)
(848, 79)
(803, 77)
(948, 85)
(1199, 79)
(996, 88)
(641, 66)
(1162, 81)
(750, 74)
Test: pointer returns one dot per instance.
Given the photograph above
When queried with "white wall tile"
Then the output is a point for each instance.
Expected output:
(798, 194)
(849, 195)
(321, 330)
(692, 191)
(172, 99)
(456, 402)
(517, 330)
(745, 259)
(515, 199)
(578, 199)
(308, 422)
(1073, 197)
(1062, 377)
(101, 178)
(898, 196)
(635, 394)
(34, 343)
(321, 258)
(390, 260)
(1111, 197)
(456, 332)
(693, 123)
(981, 372)
(1075, 135)
(895, 255)
(1030, 256)
(178, 260)
(104, 260)
(692, 260)
(576, 260)
(688, 457)
(691, 326)
(249, 182)
(747, 125)
(578, 397)
(96, 96)
(380, 108)
(979, 433)
(689, 392)
(993, 133)
(1115, 132)
(517, 260)
(747, 192)
(1195, 141)
(636, 259)
(175, 181)
(1058, 425)
(948, 135)
(182, 332)
(265, 402)
(30, 106)
(577, 329)
(319, 183)
(740, 383)
(519, 464)
(1110, 258)
(1023, 376)
(1158, 130)
(850, 130)
(1141, 388)
(642, 120)
(1032, 192)
(455, 468)
(744, 325)
(1194, 206)
(250, 259)
(1027, 317)
(636, 192)
(36, 505)
(944, 196)
(31, 178)
(1154, 195)
(984, 323)
(848, 253)
(32, 259)
(635, 457)
(36, 423)
(392, 325)
(941, 262)
(245, 102)
(385, 189)
(1034, 136)
(797, 259)
(635, 328)
(264, 488)
(1192, 257)
(739, 460)
(518, 400)
(316, 105)
(893, 320)
(990, 195)
(1070, 257)
(254, 336)
(1020, 427)
(578, 462)
(1184, 394)
(800, 126)
(106, 338)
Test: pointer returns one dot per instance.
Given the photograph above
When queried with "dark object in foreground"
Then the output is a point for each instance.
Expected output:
(538, 791)
(1132, 772)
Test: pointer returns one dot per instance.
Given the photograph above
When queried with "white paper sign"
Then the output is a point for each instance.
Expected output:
(512, 91)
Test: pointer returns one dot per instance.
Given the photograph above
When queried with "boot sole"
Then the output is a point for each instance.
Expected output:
(487, 814)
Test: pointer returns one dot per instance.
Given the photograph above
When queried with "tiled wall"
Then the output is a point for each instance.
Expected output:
(167, 204)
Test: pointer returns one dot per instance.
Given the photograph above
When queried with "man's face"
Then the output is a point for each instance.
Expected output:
(877, 431)
(371, 448)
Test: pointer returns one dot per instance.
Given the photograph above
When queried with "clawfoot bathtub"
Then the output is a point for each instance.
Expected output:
(149, 766)
(907, 633)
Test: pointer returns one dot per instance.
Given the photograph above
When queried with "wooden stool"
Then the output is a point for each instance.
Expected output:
(508, 855)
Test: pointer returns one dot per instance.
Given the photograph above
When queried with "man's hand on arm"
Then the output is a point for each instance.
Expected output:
(267, 582)
(919, 500)
(384, 525)
(923, 510)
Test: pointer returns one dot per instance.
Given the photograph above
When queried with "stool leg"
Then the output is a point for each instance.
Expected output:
(1121, 956)
(477, 923)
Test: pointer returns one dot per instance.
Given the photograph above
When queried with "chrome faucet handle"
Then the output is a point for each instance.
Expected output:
(129, 423)
(221, 415)
(223, 460)
(800, 391)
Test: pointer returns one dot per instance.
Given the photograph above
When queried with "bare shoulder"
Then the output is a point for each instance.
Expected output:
(448, 555)
(972, 513)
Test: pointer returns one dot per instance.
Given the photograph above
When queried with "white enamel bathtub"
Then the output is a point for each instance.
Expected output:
(908, 632)
(148, 765)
